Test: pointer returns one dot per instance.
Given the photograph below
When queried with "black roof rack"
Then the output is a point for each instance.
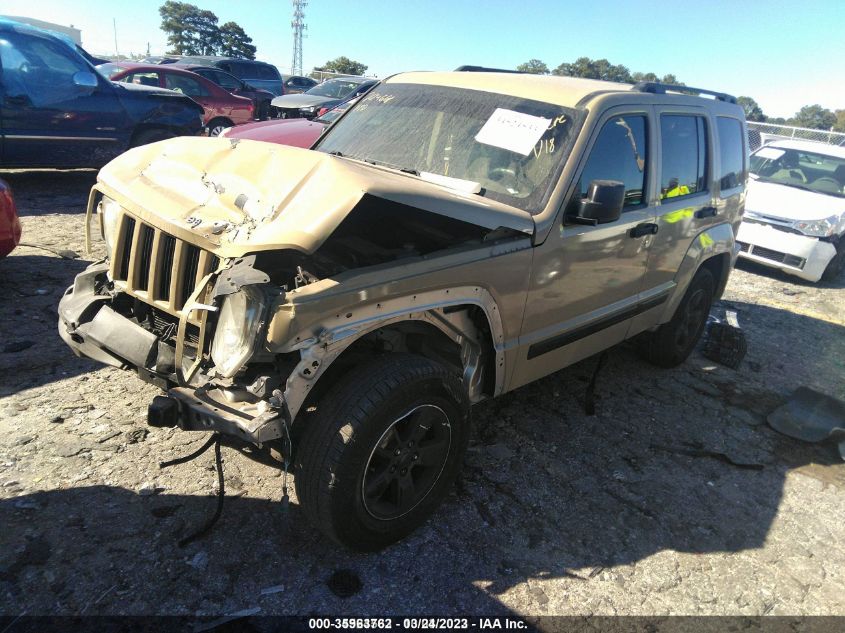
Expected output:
(658, 88)
(482, 69)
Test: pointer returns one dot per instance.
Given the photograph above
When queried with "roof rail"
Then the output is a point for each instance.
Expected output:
(656, 87)
(482, 69)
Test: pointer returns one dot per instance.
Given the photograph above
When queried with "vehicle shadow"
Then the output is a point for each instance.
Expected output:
(777, 274)
(31, 351)
(678, 460)
(48, 192)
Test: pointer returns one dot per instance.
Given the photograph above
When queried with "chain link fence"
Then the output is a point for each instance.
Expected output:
(762, 133)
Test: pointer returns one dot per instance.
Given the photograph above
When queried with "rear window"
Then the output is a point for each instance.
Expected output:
(246, 70)
(683, 166)
(731, 152)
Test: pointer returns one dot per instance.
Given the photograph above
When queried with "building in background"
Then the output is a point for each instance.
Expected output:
(73, 33)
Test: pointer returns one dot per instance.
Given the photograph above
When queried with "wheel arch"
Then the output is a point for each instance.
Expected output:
(712, 248)
(464, 332)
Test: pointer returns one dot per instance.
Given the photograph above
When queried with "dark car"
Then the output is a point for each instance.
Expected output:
(260, 98)
(259, 74)
(222, 109)
(296, 84)
(10, 225)
(324, 96)
(56, 111)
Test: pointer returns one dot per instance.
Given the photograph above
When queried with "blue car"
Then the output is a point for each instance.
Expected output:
(57, 111)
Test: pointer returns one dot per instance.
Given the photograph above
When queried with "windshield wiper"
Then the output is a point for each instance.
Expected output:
(404, 170)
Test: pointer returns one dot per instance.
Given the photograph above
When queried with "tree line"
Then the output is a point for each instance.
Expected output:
(194, 31)
(811, 116)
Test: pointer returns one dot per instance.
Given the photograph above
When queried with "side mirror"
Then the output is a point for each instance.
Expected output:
(84, 79)
(603, 204)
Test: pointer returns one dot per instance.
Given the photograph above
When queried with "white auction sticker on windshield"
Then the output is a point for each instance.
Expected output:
(514, 131)
(772, 153)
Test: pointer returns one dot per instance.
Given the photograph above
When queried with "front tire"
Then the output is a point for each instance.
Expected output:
(836, 265)
(382, 450)
(673, 342)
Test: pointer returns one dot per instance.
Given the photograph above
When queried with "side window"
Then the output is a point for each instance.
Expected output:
(144, 79)
(731, 152)
(619, 153)
(186, 85)
(683, 168)
(267, 72)
(39, 69)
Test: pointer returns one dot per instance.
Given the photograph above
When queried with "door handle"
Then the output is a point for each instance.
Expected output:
(706, 212)
(647, 228)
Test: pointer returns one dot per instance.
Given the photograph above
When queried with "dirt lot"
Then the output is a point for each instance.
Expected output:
(675, 498)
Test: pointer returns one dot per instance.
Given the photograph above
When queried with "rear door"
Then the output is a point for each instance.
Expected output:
(194, 89)
(686, 205)
(586, 280)
(49, 120)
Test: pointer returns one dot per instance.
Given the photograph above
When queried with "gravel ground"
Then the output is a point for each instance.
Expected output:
(675, 498)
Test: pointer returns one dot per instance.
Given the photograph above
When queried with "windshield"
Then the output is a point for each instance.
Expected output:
(512, 147)
(336, 111)
(109, 70)
(812, 171)
(334, 88)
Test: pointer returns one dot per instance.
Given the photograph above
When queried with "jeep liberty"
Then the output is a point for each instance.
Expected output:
(451, 237)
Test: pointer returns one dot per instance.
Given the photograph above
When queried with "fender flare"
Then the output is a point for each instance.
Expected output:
(711, 242)
(337, 333)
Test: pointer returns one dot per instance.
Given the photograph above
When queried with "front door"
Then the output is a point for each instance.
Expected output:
(586, 280)
(49, 120)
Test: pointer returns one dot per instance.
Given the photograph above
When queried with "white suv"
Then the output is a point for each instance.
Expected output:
(795, 210)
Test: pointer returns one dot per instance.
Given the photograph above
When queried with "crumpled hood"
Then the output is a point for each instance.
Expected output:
(235, 196)
(790, 203)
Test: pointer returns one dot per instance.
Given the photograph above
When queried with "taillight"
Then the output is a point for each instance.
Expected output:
(322, 111)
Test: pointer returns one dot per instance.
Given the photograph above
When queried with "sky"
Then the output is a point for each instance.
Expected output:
(784, 55)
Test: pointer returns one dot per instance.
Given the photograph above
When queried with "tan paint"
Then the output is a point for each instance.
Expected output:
(270, 196)
(562, 91)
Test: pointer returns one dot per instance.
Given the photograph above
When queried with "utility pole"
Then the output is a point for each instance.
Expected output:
(114, 25)
(299, 26)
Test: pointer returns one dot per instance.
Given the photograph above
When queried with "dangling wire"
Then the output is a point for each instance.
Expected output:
(221, 491)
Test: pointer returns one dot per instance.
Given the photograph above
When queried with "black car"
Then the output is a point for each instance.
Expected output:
(259, 74)
(295, 84)
(260, 98)
(57, 111)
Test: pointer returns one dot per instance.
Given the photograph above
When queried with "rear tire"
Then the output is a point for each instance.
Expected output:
(672, 343)
(151, 136)
(216, 126)
(382, 450)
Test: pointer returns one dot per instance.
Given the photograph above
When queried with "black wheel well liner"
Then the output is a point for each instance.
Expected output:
(719, 266)
(408, 336)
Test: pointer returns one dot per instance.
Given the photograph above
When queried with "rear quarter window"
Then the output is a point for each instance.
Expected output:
(731, 152)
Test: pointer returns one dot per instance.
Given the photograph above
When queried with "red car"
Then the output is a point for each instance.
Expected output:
(10, 225)
(222, 109)
(295, 132)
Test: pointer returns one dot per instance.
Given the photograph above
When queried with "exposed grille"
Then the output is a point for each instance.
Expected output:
(777, 256)
(744, 246)
(159, 268)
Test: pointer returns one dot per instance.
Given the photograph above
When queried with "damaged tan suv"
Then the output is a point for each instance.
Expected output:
(451, 237)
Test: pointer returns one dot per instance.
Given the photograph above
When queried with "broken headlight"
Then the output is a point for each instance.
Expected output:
(817, 228)
(109, 211)
(237, 329)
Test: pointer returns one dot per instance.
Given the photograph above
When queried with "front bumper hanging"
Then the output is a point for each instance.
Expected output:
(92, 328)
